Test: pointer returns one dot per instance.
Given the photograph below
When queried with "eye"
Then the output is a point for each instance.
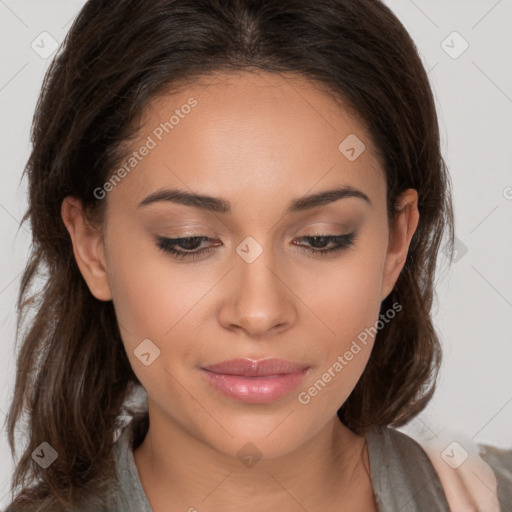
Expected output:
(189, 244)
(189, 247)
(338, 242)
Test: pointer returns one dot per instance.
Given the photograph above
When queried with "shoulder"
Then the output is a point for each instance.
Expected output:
(119, 493)
(402, 475)
(500, 461)
(474, 477)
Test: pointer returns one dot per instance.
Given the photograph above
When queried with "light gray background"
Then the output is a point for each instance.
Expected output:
(474, 101)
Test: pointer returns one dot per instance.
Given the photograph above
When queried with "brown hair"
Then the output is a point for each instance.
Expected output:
(73, 375)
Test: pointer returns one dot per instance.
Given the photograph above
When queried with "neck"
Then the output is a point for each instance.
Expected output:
(330, 468)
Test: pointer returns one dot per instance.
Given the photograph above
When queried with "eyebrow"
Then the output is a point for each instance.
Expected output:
(219, 205)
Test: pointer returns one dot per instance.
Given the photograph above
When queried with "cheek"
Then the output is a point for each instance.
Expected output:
(158, 299)
(150, 293)
(347, 300)
(349, 307)
(154, 300)
(346, 295)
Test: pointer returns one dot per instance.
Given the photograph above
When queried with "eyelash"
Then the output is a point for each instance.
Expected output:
(167, 245)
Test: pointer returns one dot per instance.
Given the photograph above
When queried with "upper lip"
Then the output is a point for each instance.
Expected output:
(246, 367)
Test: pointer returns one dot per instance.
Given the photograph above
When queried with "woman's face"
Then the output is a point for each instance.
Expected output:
(261, 145)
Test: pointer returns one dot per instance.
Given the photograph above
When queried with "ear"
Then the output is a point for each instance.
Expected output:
(88, 247)
(400, 235)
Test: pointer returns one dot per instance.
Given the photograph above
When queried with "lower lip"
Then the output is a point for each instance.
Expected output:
(255, 390)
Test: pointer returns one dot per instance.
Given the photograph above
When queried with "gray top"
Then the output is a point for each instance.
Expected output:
(403, 477)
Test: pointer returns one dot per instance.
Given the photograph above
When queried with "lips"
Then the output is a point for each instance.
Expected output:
(252, 368)
(256, 382)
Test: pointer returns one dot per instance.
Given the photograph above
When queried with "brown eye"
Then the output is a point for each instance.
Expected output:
(318, 242)
(189, 246)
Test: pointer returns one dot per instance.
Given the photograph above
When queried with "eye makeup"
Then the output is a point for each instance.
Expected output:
(190, 247)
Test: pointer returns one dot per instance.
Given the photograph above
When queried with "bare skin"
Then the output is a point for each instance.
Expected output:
(259, 142)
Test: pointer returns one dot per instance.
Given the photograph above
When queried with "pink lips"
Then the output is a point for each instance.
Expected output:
(255, 382)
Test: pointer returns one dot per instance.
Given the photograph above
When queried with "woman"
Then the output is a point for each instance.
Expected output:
(238, 206)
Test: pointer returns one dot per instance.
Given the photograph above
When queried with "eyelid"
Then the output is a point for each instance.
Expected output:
(311, 230)
(341, 242)
(330, 226)
(187, 232)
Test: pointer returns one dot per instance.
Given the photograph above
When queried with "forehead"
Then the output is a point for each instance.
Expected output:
(250, 134)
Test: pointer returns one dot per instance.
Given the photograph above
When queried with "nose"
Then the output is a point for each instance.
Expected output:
(258, 300)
